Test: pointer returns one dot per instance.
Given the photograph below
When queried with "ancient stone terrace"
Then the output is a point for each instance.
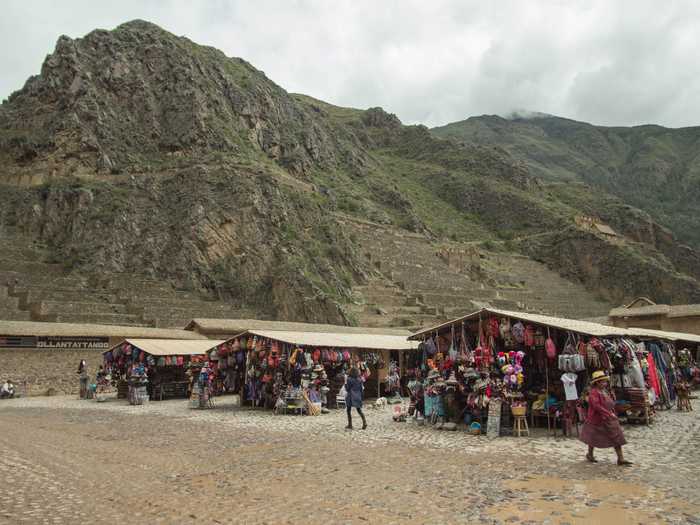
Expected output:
(31, 289)
(416, 284)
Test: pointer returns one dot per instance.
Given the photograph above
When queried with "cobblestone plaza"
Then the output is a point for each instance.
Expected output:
(69, 461)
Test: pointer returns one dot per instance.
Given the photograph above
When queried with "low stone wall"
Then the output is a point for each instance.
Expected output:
(44, 369)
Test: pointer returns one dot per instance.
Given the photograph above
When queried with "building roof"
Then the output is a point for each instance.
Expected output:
(572, 325)
(640, 301)
(162, 347)
(338, 340)
(640, 311)
(684, 310)
(32, 328)
(604, 228)
(663, 334)
(236, 326)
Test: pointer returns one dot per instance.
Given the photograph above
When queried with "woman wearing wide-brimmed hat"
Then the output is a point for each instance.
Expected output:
(602, 428)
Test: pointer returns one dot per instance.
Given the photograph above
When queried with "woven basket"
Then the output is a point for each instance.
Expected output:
(518, 410)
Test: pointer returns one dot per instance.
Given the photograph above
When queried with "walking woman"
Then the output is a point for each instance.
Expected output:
(353, 396)
(602, 428)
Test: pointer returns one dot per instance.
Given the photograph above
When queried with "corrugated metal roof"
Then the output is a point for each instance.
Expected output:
(572, 325)
(171, 346)
(29, 328)
(236, 326)
(336, 340)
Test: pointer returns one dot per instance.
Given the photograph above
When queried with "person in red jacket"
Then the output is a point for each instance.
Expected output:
(602, 428)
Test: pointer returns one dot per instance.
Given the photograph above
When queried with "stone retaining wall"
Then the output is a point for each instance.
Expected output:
(43, 369)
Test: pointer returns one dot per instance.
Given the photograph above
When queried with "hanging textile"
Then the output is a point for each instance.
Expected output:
(653, 378)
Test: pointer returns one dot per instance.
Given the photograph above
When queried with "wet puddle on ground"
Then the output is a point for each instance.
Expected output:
(580, 502)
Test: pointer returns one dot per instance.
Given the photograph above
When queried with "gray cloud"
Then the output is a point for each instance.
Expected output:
(612, 63)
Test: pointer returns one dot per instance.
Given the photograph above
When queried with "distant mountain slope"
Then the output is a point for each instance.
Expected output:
(142, 152)
(653, 168)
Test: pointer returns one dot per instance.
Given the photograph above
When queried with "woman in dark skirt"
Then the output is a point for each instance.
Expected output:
(602, 428)
(353, 396)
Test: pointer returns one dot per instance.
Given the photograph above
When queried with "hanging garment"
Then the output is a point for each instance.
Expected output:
(569, 381)
(653, 378)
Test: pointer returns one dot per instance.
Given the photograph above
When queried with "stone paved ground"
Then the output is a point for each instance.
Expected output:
(71, 461)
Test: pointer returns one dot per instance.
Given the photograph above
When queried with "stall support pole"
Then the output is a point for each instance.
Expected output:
(379, 385)
(546, 399)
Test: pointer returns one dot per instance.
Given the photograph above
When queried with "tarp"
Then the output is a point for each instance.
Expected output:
(335, 340)
(164, 347)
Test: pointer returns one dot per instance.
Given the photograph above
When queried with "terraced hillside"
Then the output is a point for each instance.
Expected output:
(33, 289)
(419, 282)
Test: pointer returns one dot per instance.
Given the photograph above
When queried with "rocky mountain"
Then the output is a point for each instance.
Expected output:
(141, 152)
(653, 168)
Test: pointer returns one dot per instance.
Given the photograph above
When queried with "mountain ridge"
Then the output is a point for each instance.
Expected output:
(651, 167)
(142, 152)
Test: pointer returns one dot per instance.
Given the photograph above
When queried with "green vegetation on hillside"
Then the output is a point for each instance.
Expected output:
(650, 167)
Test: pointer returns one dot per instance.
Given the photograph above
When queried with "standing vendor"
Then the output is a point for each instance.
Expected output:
(83, 374)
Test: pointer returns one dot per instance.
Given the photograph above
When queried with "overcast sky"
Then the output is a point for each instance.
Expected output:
(431, 62)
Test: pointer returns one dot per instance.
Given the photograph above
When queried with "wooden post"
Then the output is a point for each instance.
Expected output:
(379, 385)
(546, 384)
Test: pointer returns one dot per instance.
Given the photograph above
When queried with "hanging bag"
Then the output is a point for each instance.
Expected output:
(550, 347)
(570, 360)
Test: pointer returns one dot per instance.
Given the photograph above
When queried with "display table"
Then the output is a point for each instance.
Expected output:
(170, 389)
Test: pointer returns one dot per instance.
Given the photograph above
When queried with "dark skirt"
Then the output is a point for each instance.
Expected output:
(606, 435)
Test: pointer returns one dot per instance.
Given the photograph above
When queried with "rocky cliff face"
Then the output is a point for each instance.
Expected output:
(132, 98)
(138, 151)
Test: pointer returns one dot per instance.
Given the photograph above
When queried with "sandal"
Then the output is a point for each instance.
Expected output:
(591, 459)
(624, 463)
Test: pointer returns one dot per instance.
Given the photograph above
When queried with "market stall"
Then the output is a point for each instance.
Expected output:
(155, 369)
(536, 366)
(304, 372)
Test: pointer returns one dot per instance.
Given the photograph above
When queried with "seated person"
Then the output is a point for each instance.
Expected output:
(7, 390)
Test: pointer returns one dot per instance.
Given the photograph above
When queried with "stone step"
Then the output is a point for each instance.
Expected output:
(131, 282)
(3, 292)
(39, 293)
(181, 301)
(381, 289)
(447, 299)
(46, 279)
(9, 303)
(10, 314)
(96, 318)
(214, 311)
(76, 308)
(393, 310)
(385, 300)
(171, 322)
(30, 267)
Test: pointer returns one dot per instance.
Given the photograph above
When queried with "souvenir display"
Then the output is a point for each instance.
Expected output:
(289, 378)
(537, 369)
(163, 376)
